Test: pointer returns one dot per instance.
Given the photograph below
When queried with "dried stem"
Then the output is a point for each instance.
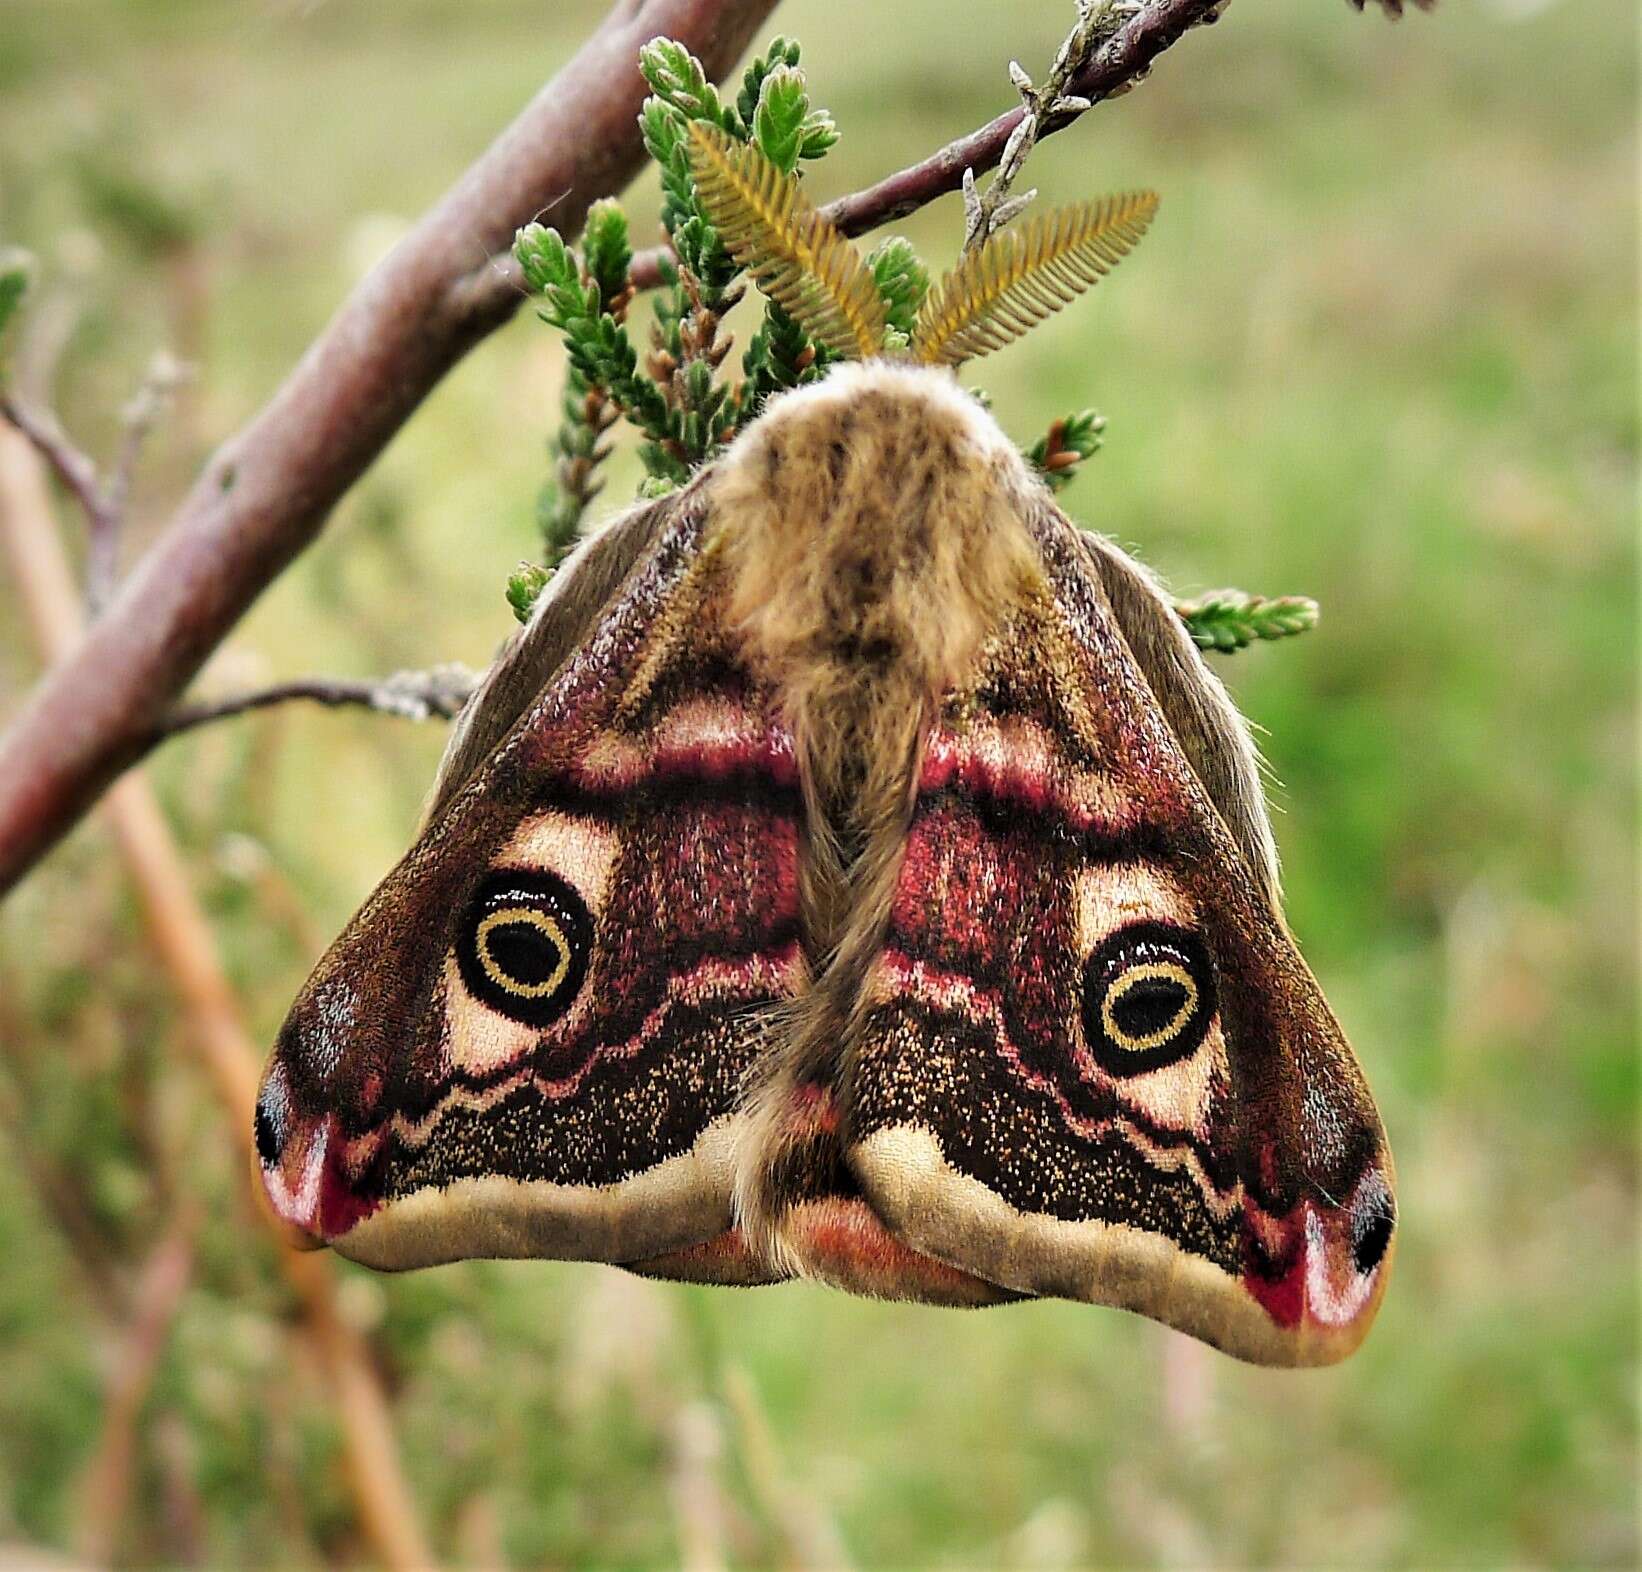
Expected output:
(413, 695)
(103, 502)
(105, 1485)
(147, 407)
(68, 462)
(216, 1028)
(266, 493)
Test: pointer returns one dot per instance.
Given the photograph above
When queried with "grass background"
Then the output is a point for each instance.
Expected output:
(1379, 348)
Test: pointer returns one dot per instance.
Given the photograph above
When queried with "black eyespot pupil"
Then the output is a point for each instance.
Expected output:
(1148, 998)
(1149, 1006)
(524, 952)
(525, 945)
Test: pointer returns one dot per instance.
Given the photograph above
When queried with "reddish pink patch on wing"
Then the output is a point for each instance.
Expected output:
(1022, 782)
(747, 747)
(1039, 783)
(1280, 1293)
(341, 1205)
(953, 881)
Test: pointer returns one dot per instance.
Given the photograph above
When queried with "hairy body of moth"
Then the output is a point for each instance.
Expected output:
(852, 872)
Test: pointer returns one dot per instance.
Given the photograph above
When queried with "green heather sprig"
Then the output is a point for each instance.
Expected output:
(1059, 452)
(1229, 620)
(596, 341)
(682, 409)
(676, 395)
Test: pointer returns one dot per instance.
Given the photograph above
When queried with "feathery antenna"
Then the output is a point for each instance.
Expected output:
(1025, 274)
(793, 252)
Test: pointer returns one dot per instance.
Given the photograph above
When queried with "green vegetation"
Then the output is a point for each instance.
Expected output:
(1379, 347)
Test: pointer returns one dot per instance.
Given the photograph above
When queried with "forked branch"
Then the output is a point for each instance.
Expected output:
(266, 493)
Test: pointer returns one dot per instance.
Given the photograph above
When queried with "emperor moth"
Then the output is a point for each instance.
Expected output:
(851, 871)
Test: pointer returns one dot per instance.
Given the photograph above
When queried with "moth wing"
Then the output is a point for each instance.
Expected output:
(1091, 1061)
(531, 1039)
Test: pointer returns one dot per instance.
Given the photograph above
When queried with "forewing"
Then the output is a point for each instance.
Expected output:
(532, 1038)
(1091, 1060)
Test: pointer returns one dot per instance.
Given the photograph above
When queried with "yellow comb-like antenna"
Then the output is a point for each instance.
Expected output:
(794, 254)
(1022, 275)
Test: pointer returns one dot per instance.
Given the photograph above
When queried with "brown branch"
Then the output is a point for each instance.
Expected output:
(1124, 59)
(266, 493)
(71, 464)
(216, 1028)
(413, 695)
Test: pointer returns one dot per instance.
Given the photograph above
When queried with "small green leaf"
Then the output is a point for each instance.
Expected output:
(676, 76)
(778, 124)
(781, 51)
(1058, 454)
(661, 464)
(661, 126)
(820, 135)
(902, 280)
(606, 251)
(551, 271)
(524, 587)
(1229, 620)
(779, 356)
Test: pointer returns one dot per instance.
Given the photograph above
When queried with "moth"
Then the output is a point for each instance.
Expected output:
(852, 871)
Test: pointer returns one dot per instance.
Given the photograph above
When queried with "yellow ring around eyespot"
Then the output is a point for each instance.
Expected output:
(512, 914)
(1146, 972)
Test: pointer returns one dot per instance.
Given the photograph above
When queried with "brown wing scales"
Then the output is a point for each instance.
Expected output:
(878, 889)
(532, 1039)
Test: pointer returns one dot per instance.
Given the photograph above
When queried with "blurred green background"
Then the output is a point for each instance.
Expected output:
(1380, 348)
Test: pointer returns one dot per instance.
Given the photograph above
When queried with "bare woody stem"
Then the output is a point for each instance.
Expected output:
(414, 695)
(266, 493)
(72, 466)
(1123, 60)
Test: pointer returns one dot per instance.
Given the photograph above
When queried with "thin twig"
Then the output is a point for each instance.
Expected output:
(71, 464)
(267, 492)
(103, 502)
(413, 695)
(147, 406)
(1123, 60)
(1054, 100)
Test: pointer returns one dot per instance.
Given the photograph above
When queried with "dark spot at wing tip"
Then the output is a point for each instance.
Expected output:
(269, 1144)
(1373, 1238)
